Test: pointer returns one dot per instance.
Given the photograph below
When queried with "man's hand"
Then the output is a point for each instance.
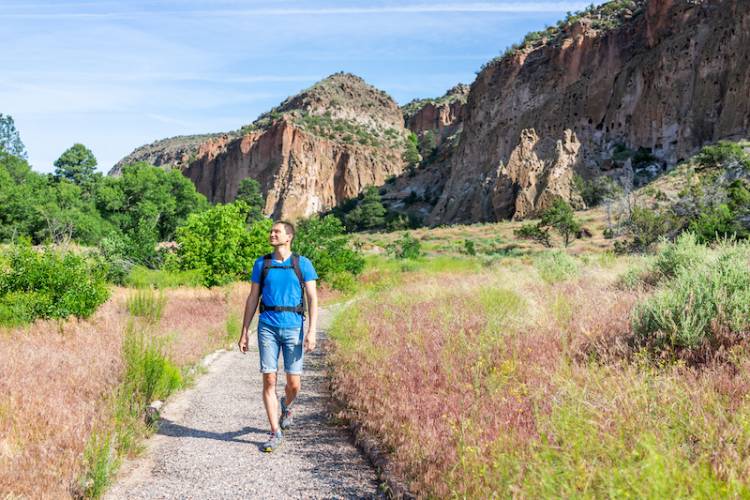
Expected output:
(242, 344)
(309, 342)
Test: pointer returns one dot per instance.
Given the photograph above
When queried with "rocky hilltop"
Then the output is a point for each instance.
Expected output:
(624, 86)
(309, 154)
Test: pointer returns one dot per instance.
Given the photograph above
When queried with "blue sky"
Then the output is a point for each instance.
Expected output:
(115, 75)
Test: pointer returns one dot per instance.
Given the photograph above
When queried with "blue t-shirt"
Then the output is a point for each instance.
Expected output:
(281, 288)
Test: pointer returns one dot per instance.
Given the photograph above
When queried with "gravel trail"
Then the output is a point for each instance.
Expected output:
(208, 441)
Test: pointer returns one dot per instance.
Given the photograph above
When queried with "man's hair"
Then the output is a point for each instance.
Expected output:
(288, 227)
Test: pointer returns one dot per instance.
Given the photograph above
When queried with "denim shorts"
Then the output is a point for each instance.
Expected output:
(271, 340)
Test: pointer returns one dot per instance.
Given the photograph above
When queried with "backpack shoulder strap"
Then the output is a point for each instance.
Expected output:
(298, 272)
(266, 266)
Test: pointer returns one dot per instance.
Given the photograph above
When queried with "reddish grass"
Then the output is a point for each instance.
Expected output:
(436, 380)
(54, 381)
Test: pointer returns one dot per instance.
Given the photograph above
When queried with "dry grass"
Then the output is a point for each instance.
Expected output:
(495, 383)
(56, 378)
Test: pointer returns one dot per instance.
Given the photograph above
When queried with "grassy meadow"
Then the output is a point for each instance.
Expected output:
(529, 372)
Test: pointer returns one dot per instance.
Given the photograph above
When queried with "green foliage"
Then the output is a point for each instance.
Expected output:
(723, 154)
(36, 206)
(48, 284)
(411, 151)
(145, 303)
(427, 144)
(561, 218)
(100, 462)
(10, 139)
(704, 307)
(534, 232)
(596, 190)
(340, 130)
(554, 266)
(149, 374)
(250, 193)
(142, 277)
(470, 248)
(369, 212)
(644, 228)
(406, 247)
(147, 204)
(325, 243)
(77, 165)
(217, 243)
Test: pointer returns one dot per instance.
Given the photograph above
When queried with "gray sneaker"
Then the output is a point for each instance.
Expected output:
(285, 420)
(274, 441)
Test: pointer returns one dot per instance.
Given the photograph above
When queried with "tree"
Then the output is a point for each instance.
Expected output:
(411, 152)
(77, 164)
(369, 213)
(10, 139)
(250, 193)
(324, 242)
(427, 144)
(218, 243)
(560, 217)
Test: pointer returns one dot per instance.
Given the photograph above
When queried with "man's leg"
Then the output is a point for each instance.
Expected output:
(293, 384)
(270, 401)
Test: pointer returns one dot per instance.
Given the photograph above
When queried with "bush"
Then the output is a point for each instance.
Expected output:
(469, 247)
(534, 232)
(142, 277)
(218, 244)
(325, 243)
(554, 266)
(560, 217)
(596, 190)
(343, 281)
(723, 154)
(645, 227)
(703, 310)
(48, 284)
(407, 247)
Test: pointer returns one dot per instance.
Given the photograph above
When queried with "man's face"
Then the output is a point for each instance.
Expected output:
(279, 235)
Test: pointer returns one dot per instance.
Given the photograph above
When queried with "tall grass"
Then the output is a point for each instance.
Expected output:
(147, 304)
(143, 277)
(499, 384)
(555, 266)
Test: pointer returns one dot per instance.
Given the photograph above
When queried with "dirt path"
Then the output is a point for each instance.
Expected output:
(208, 441)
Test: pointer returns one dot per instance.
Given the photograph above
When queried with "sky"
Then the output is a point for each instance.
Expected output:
(114, 75)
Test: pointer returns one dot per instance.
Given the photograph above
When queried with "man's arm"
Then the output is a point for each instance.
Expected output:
(250, 306)
(312, 309)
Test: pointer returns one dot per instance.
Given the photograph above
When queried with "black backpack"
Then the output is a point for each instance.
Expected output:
(267, 266)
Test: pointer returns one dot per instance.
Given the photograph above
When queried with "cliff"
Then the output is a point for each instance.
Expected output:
(310, 153)
(615, 90)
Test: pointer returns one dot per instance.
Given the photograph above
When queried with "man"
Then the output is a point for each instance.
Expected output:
(279, 282)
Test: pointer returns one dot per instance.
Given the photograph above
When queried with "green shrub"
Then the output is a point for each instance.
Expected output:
(325, 242)
(143, 277)
(406, 247)
(149, 374)
(469, 247)
(684, 254)
(644, 228)
(343, 281)
(596, 190)
(217, 243)
(147, 304)
(49, 284)
(705, 306)
(723, 154)
(560, 217)
(554, 266)
(534, 232)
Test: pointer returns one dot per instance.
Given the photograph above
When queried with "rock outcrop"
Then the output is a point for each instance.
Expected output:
(663, 78)
(309, 154)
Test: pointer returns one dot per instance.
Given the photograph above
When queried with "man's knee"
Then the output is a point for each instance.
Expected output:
(294, 382)
(269, 381)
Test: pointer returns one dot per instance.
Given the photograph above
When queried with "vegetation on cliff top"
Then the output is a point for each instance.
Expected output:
(604, 17)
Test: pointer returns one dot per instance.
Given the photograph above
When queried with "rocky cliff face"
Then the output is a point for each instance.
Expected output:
(442, 117)
(309, 154)
(662, 79)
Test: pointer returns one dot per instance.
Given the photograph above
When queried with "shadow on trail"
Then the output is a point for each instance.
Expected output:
(172, 429)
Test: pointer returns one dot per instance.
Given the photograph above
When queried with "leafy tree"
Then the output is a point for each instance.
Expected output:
(411, 152)
(369, 213)
(77, 164)
(143, 191)
(561, 218)
(10, 139)
(325, 243)
(427, 144)
(250, 193)
(218, 244)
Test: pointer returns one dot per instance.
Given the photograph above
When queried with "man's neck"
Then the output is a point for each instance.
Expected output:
(282, 252)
